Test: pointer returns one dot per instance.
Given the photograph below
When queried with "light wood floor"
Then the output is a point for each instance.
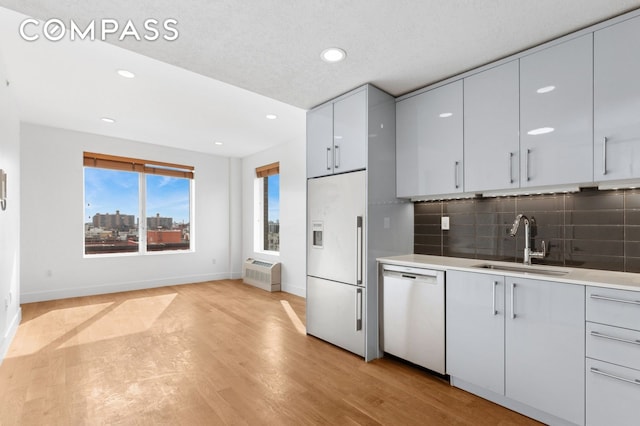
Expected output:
(211, 353)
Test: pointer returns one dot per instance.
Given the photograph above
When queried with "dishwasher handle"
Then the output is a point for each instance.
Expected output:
(430, 279)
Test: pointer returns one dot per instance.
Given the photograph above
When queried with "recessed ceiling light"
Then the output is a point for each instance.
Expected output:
(108, 120)
(333, 54)
(271, 116)
(540, 131)
(126, 74)
(218, 143)
(546, 89)
(446, 114)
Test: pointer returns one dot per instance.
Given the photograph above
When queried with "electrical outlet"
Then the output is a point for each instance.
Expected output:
(444, 224)
(213, 261)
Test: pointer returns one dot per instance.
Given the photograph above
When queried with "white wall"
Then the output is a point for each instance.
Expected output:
(9, 218)
(293, 202)
(52, 231)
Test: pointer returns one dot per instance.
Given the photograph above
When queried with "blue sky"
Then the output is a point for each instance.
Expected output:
(106, 191)
(274, 197)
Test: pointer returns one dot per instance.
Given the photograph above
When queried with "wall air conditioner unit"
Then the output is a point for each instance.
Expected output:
(262, 274)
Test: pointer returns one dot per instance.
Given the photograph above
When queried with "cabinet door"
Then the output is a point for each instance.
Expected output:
(320, 141)
(544, 346)
(613, 394)
(491, 126)
(335, 313)
(350, 133)
(617, 101)
(429, 142)
(408, 172)
(475, 329)
(556, 131)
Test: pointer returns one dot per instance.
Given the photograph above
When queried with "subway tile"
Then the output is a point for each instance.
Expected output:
(632, 248)
(632, 199)
(427, 219)
(595, 200)
(496, 205)
(632, 233)
(612, 217)
(465, 252)
(458, 206)
(425, 249)
(632, 264)
(632, 217)
(428, 208)
(457, 219)
(590, 232)
(539, 203)
(609, 263)
(590, 247)
(427, 229)
(429, 240)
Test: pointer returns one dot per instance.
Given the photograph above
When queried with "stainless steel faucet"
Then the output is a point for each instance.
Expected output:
(528, 254)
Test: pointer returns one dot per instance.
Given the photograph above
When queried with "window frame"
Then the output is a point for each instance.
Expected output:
(143, 168)
(260, 208)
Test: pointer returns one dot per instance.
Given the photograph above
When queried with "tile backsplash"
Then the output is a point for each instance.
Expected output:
(588, 229)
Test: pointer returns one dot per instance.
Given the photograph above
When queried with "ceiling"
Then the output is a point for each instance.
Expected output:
(235, 61)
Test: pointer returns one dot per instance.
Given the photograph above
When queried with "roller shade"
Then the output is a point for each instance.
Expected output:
(268, 170)
(104, 161)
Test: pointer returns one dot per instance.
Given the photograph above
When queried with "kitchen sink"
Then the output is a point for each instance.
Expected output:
(522, 269)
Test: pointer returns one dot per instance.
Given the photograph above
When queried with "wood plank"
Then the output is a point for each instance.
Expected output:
(219, 352)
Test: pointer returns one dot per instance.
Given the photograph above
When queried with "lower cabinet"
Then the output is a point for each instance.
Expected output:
(520, 339)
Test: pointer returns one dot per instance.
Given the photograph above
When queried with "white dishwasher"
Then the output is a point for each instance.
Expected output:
(413, 326)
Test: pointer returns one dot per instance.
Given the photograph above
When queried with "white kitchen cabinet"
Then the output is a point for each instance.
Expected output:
(539, 362)
(617, 101)
(429, 142)
(544, 357)
(491, 129)
(337, 136)
(320, 141)
(613, 394)
(475, 312)
(556, 110)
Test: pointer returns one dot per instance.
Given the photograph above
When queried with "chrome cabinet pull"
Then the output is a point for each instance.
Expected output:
(617, 339)
(455, 173)
(527, 164)
(613, 299)
(359, 249)
(495, 285)
(604, 155)
(328, 157)
(336, 155)
(613, 376)
(513, 300)
(359, 309)
(511, 167)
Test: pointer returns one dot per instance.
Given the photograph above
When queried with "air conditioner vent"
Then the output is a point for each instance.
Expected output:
(262, 274)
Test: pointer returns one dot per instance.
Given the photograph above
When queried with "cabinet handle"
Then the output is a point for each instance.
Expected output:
(328, 158)
(613, 299)
(511, 167)
(526, 164)
(617, 339)
(494, 311)
(455, 173)
(359, 309)
(336, 159)
(359, 250)
(613, 376)
(513, 300)
(604, 155)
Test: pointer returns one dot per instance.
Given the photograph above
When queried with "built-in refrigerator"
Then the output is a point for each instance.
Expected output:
(353, 216)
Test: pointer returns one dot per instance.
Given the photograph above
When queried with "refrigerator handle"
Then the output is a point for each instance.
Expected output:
(359, 309)
(359, 249)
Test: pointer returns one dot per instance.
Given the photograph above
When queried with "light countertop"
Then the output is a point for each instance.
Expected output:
(590, 277)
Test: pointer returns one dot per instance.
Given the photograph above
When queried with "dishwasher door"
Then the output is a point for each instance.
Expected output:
(413, 324)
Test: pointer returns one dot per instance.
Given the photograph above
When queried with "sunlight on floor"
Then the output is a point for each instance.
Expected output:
(51, 326)
(294, 317)
(130, 317)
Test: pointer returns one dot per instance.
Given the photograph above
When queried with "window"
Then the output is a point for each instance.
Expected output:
(267, 194)
(118, 191)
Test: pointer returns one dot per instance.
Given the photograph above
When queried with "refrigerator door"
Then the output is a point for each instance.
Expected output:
(336, 237)
(335, 313)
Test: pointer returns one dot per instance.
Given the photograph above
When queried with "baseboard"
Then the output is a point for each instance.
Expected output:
(41, 296)
(297, 291)
(235, 275)
(10, 334)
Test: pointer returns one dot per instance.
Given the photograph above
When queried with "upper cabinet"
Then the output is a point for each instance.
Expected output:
(617, 101)
(337, 136)
(556, 106)
(429, 142)
(491, 141)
